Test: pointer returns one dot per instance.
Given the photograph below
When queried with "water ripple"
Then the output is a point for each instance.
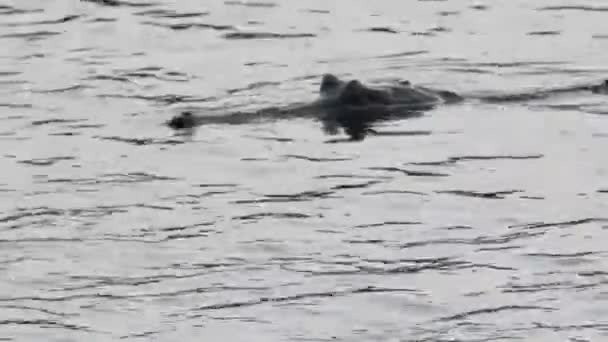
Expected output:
(186, 26)
(297, 297)
(31, 36)
(9, 10)
(497, 309)
(491, 195)
(142, 141)
(258, 216)
(563, 224)
(44, 323)
(409, 172)
(163, 13)
(284, 198)
(111, 178)
(481, 240)
(574, 8)
(45, 161)
(315, 159)
(454, 160)
(250, 3)
(61, 20)
(266, 35)
(492, 209)
(121, 3)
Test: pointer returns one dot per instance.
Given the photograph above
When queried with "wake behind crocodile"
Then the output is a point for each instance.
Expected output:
(355, 107)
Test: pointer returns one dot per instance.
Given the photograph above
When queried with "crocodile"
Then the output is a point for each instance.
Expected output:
(355, 106)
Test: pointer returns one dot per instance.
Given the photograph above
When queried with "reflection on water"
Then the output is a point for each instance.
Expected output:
(481, 221)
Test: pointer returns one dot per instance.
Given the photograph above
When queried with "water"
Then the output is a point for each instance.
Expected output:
(488, 225)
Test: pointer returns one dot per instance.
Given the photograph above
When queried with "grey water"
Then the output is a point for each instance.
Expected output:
(488, 222)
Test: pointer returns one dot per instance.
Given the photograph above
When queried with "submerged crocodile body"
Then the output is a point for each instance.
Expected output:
(354, 106)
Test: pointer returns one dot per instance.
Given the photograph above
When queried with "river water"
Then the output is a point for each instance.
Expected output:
(487, 223)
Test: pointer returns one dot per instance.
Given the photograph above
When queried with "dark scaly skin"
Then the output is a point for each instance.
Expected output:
(355, 107)
(335, 95)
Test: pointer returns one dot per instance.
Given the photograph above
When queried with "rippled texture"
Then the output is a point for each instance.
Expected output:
(474, 222)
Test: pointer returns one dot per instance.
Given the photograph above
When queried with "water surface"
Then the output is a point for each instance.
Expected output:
(486, 225)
